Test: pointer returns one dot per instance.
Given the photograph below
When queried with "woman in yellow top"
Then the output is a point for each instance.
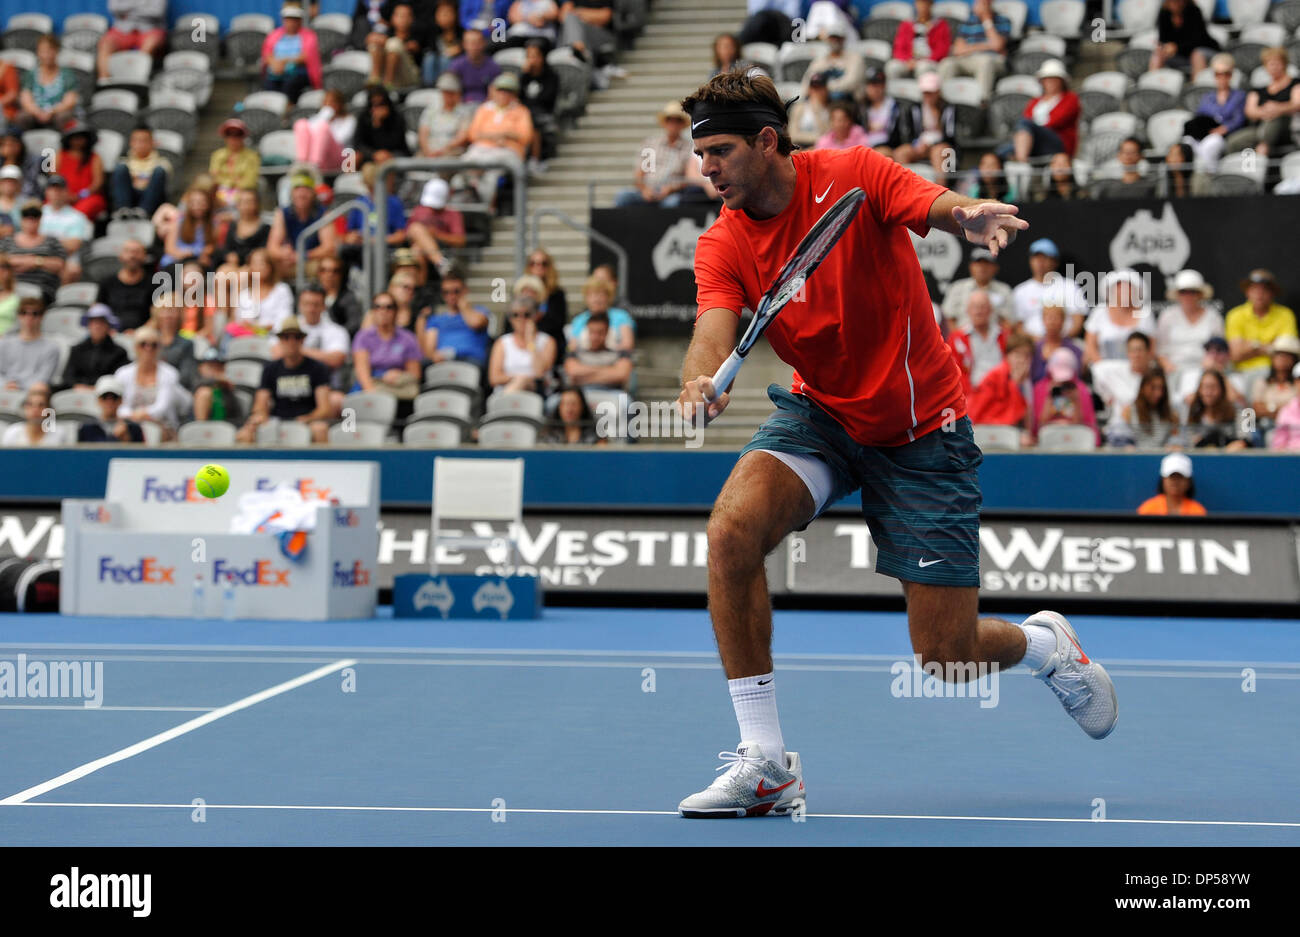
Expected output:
(1175, 490)
(235, 166)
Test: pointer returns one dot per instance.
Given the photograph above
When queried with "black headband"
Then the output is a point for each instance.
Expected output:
(747, 120)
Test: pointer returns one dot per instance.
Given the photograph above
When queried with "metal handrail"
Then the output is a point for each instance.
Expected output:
(425, 164)
(621, 180)
(315, 226)
(608, 243)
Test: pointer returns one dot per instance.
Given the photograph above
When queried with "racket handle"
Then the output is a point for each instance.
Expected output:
(726, 374)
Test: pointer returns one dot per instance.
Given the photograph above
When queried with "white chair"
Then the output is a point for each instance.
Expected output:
(1244, 13)
(1166, 128)
(109, 145)
(963, 90)
(1018, 84)
(136, 229)
(877, 50)
(75, 404)
(1146, 39)
(1062, 17)
(1168, 80)
(994, 438)
(507, 434)
(519, 405)
(370, 407)
(285, 433)
(77, 294)
(64, 321)
(127, 343)
(1017, 11)
(249, 347)
(957, 9)
(1260, 76)
(1062, 437)
(891, 9)
(130, 69)
(453, 375)
(763, 54)
(206, 433)
(278, 144)
(1115, 84)
(22, 59)
(347, 72)
(476, 490)
(904, 89)
(82, 31)
(1115, 122)
(11, 402)
(431, 434)
(23, 30)
(795, 57)
(1291, 165)
(1139, 15)
(244, 373)
(447, 405)
(370, 435)
(1043, 42)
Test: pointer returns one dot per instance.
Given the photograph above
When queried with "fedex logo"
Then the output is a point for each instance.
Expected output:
(346, 518)
(96, 515)
(307, 487)
(156, 490)
(261, 573)
(147, 571)
(351, 576)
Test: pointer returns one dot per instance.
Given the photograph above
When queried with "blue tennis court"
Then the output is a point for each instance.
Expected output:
(588, 726)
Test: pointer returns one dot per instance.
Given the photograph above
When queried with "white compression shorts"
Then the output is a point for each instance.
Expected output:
(814, 472)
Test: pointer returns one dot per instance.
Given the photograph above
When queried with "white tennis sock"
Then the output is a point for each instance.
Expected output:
(755, 702)
(1040, 644)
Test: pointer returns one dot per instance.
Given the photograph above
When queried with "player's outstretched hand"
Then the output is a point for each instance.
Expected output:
(700, 393)
(990, 224)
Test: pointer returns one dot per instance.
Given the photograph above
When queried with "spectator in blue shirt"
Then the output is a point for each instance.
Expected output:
(479, 14)
(980, 47)
(460, 331)
(1221, 112)
(360, 224)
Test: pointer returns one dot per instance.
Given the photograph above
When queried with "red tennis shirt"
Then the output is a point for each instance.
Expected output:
(862, 339)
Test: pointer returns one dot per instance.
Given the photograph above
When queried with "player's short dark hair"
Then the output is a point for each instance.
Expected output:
(1140, 336)
(739, 87)
(602, 317)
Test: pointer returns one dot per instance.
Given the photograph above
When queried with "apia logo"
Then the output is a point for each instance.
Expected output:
(939, 253)
(96, 515)
(261, 573)
(676, 249)
(346, 518)
(434, 594)
(306, 487)
(145, 571)
(156, 490)
(348, 577)
(1158, 242)
(494, 594)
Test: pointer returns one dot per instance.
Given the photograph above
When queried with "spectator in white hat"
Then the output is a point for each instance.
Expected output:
(39, 426)
(1175, 490)
(662, 162)
(110, 427)
(433, 226)
(1050, 124)
(11, 185)
(845, 71)
(1187, 323)
(1274, 390)
(1108, 328)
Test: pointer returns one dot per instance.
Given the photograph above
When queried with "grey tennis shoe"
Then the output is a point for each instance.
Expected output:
(1081, 684)
(751, 785)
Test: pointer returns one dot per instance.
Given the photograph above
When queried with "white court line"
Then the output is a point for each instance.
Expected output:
(655, 813)
(120, 709)
(155, 740)
(572, 652)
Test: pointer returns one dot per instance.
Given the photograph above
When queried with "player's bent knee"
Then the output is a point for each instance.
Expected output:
(734, 541)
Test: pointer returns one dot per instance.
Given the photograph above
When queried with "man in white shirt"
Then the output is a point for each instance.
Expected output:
(324, 339)
(1027, 298)
(60, 220)
(1116, 382)
(983, 268)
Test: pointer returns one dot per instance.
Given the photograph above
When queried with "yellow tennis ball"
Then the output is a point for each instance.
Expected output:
(212, 481)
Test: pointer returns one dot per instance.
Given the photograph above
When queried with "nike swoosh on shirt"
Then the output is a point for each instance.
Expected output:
(821, 198)
(924, 563)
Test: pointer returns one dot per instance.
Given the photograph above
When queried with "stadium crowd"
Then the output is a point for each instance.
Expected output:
(148, 312)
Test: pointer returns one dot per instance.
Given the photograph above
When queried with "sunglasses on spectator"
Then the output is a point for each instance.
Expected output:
(452, 290)
(1223, 74)
(34, 402)
(520, 315)
(146, 344)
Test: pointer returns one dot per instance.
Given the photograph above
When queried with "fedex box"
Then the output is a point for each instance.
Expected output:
(154, 547)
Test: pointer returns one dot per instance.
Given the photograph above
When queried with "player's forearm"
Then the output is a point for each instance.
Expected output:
(704, 356)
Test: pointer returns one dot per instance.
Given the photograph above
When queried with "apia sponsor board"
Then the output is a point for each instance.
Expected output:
(1113, 559)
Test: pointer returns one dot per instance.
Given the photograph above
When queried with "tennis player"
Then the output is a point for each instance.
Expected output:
(876, 405)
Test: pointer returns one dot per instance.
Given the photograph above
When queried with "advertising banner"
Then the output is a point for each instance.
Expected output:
(1128, 559)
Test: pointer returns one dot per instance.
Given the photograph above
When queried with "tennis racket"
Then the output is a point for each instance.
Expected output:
(812, 250)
